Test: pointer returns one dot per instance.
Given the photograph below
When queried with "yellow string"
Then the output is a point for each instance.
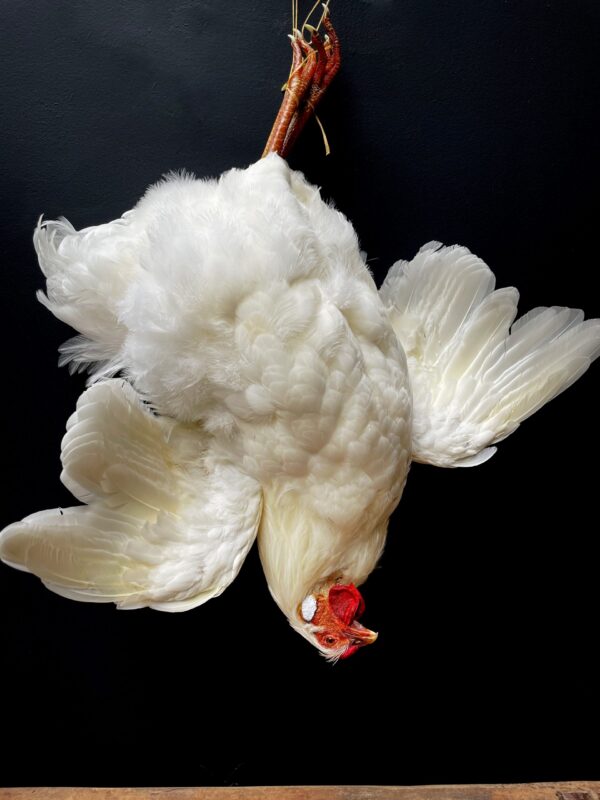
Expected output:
(325, 11)
(324, 135)
(310, 13)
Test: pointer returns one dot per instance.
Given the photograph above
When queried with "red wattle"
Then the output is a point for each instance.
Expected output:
(346, 602)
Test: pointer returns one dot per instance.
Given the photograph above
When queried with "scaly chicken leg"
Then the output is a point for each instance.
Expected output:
(314, 65)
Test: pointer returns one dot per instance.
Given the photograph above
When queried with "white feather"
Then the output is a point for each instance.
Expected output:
(474, 377)
(164, 526)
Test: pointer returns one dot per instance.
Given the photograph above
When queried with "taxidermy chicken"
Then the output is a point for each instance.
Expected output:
(250, 381)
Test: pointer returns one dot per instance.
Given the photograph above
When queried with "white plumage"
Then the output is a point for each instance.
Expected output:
(268, 387)
(475, 373)
(164, 526)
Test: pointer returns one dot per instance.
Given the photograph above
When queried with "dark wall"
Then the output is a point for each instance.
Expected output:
(470, 122)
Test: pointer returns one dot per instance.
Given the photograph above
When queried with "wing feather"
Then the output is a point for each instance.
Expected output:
(476, 374)
(165, 525)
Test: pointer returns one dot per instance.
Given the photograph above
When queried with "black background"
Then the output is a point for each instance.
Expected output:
(469, 122)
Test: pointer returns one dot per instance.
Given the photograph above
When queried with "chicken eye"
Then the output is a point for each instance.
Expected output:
(330, 640)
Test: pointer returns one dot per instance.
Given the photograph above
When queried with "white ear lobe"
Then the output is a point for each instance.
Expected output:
(309, 607)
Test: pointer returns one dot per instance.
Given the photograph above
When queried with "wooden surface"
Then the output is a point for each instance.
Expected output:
(576, 790)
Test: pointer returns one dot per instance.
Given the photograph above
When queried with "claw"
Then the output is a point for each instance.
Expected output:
(314, 65)
(303, 68)
(334, 59)
(313, 95)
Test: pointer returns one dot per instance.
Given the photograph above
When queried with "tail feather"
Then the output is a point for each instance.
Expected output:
(476, 373)
(87, 275)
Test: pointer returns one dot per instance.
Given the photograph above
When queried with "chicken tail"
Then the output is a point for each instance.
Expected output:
(87, 274)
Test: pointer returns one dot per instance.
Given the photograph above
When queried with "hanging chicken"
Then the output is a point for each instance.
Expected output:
(267, 389)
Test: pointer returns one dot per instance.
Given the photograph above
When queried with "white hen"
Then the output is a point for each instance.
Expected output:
(268, 388)
(288, 395)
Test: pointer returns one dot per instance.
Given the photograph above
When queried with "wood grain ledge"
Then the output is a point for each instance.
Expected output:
(572, 790)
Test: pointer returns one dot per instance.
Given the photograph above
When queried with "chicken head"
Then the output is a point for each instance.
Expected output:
(333, 616)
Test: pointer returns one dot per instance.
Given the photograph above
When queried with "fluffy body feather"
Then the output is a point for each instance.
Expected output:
(242, 311)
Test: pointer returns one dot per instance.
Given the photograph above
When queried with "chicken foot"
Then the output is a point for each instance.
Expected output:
(314, 65)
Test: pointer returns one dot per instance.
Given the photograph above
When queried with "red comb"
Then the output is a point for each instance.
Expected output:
(346, 602)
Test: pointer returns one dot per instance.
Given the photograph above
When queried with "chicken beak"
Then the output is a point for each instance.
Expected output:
(361, 635)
